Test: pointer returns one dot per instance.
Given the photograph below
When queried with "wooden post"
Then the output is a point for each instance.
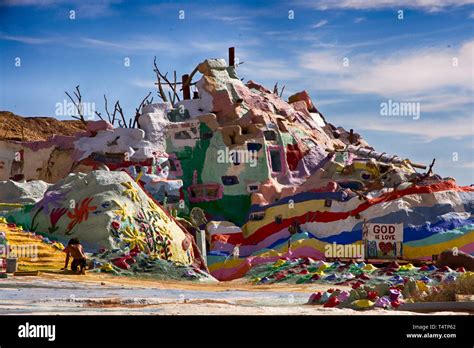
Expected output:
(351, 136)
(186, 89)
(231, 56)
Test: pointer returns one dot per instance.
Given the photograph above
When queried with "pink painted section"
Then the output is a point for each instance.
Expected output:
(205, 198)
(468, 248)
(249, 249)
(177, 163)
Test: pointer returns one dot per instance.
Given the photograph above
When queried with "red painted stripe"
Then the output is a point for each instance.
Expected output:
(319, 216)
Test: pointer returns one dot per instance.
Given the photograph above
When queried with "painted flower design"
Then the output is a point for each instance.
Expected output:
(158, 211)
(54, 198)
(130, 192)
(121, 211)
(115, 225)
(134, 238)
(54, 217)
(80, 213)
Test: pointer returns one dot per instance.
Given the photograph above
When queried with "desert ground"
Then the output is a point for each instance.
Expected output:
(102, 294)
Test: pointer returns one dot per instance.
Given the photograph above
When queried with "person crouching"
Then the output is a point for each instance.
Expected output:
(75, 250)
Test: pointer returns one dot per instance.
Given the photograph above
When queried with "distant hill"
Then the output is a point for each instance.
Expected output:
(15, 127)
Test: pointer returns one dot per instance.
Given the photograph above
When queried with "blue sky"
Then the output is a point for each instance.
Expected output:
(426, 57)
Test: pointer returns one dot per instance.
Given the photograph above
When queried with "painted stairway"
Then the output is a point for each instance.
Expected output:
(49, 257)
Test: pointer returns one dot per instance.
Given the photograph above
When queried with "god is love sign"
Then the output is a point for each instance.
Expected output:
(384, 240)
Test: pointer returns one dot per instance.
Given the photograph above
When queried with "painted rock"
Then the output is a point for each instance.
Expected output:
(393, 265)
(422, 287)
(372, 295)
(407, 267)
(280, 276)
(382, 302)
(394, 294)
(445, 269)
(107, 267)
(363, 304)
(363, 276)
(347, 276)
(369, 268)
(315, 298)
(279, 263)
(326, 295)
(343, 296)
(425, 279)
(361, 265)
(450, 278)
(396, 279)
(332, 302)
(395, 304)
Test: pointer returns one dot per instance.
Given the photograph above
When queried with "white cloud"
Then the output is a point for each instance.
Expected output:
(320, 24)
(404, 74)
(426, 129)
(327, 61)
(426, 5)
(143, 43)
(414, 72)
(83, 8)
(443, 102)
(25, 39)
(144, 83)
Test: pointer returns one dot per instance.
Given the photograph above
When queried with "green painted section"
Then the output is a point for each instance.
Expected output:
(211, 166)
(233, 208)
(213, 170)
(204, 159)
(20, 216)
(191, 158)
(286, 138)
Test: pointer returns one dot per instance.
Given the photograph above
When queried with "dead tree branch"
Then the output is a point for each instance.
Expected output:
(282, 89)
(138, 109)
(118, 108)
(172, 85)
(77, 104)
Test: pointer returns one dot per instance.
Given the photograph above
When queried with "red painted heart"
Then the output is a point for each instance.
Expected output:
(386, 247)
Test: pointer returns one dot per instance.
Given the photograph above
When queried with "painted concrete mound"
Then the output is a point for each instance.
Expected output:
(109, 211)
(263, 178)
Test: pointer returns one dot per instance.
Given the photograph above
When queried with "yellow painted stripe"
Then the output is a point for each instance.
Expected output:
(286, 212)
(411, 252)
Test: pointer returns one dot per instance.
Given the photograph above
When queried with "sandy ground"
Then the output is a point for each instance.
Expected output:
(96, 294)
